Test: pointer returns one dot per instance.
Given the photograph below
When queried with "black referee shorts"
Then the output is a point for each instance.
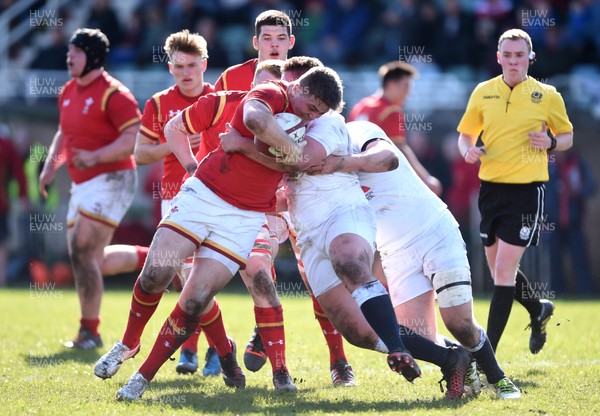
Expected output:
(512, 212)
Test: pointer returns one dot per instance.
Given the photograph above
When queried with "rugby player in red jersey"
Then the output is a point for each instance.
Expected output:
(99, 119)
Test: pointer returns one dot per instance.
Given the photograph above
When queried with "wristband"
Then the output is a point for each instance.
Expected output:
(552, 144)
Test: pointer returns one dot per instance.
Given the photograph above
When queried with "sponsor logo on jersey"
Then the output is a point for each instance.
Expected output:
(536, 97)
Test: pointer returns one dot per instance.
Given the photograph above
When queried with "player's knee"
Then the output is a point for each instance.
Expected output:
(453, 287)
(351, 269)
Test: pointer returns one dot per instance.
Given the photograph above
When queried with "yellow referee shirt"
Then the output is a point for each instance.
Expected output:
(506, 116)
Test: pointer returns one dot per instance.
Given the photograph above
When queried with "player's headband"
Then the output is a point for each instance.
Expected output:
(95, 45)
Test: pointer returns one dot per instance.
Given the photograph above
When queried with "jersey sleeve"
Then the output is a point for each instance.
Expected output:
(270, 95)
(472, 120)
(221, 84)
(150, 121)
(558, 120)
(202, 114)
(122, 109)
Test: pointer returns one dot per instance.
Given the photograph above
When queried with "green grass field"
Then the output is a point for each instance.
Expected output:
(39, 376)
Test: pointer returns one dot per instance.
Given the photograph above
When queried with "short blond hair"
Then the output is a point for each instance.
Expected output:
(515, 34)
(272, 66)
(186, 42)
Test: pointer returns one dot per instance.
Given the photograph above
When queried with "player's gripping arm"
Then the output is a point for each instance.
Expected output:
(233, 142)
(261, 122)
(177, 138)
(55, 159)
(377, 157)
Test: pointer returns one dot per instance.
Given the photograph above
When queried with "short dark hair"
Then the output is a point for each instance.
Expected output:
(324, 84)
(298, 65)
(272, 18)
(395, 70)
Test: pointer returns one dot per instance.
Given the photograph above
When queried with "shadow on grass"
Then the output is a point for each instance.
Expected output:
(60, 358)
(263, 400)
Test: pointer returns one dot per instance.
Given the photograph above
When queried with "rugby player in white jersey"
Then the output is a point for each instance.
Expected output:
(421, 247)
(336, 232)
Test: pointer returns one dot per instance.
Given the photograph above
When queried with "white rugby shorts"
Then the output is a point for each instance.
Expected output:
(104, 198)
(220, 230)
(314, 244)
(408, 270)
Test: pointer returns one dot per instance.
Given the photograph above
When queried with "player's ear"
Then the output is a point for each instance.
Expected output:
(255, 42)
(498, 58)
(170, 67)
(204, 64)
(292, 41)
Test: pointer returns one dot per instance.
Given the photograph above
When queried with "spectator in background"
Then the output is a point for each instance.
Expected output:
(102, 16)
(456, 28)
(571, 184)
(182, 14)
(343, 30)
(208, 29)
(53, 56)
(11, 166)
(554, 57)
(308, 28)
(154, 32)
(125, 53)
(401, 26)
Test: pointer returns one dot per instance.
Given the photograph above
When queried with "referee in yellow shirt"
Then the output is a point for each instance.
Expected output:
(513, 112)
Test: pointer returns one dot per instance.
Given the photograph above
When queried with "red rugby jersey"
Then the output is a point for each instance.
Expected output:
(159, 109)
(209, 115)
(237, 179)
(93, 116)
(237, 77)
(380, 111)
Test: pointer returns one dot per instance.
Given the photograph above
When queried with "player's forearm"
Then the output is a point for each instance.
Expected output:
(373, 160)
(270, 162)
(564, 141)
(465, 142)
(119, 149)
(259, 120)
(414, 162)
(56, 153)
(146, 153)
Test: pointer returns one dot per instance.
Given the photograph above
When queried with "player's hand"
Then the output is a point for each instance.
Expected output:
(474, 154)
(232, 141)
(293, 155)
(328, 165)
(195, 140)
(434, 184)
(539, 139)
(46, 178)
(84, 159)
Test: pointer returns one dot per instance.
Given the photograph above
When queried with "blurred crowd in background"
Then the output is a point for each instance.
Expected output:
(347, 32)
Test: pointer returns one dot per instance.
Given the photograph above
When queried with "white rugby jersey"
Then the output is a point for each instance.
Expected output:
(400, 190)
(313, 198)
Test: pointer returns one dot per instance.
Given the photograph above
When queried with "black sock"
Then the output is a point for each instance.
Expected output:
(487, 361)
(423, 349)
(379, 313)
(526, 296)
(500, 307)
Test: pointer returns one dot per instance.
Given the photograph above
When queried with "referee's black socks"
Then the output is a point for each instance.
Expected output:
(526, 296)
